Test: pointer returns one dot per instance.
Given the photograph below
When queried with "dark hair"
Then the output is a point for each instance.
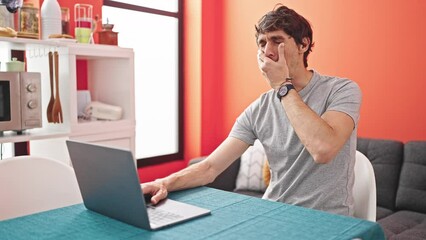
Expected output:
(293, 24)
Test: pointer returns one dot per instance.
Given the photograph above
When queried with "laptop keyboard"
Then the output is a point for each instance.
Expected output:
(158, 216)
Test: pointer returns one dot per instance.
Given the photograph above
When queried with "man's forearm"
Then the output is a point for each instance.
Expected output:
(195, 175)
(322, 139)
(207, 170)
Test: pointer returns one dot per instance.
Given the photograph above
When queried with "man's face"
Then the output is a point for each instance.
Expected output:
(268, 42)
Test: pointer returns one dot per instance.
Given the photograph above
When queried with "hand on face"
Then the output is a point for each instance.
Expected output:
(275, 70)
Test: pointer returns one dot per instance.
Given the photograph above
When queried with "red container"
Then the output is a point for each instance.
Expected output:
(107, 36)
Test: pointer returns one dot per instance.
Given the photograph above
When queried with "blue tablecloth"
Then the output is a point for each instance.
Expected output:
(234, 216)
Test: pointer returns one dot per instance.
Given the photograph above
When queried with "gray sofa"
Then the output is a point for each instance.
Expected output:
(400, 171)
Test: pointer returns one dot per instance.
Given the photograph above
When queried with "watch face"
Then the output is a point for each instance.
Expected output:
(283, 91)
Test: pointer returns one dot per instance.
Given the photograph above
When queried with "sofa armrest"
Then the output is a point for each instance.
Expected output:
(412, 183)
(226, 180)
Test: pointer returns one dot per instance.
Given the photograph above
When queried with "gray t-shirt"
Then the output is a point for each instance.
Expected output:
(295, 177)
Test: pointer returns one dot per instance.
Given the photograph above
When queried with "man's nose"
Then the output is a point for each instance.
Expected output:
(270, 51)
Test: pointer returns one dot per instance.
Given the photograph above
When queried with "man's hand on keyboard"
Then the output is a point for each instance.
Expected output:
(156, 189)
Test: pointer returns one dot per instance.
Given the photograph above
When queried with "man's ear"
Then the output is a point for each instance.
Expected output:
(305, 45)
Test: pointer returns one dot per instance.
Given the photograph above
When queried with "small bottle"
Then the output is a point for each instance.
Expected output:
(50, 18)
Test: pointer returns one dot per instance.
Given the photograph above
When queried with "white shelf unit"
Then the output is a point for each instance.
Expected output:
(110, 78)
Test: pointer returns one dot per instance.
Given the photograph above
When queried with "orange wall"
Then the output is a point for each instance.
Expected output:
(378, 44)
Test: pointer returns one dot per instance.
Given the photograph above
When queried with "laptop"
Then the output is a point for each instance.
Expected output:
(109, 185)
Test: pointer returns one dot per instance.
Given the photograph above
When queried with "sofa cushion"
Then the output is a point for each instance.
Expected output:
(405, 225)
(386, 158)
(382, 212)
(226, 180)
(412, 184)
(250, 175)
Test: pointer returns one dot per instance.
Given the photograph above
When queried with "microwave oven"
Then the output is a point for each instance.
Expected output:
(20, 101)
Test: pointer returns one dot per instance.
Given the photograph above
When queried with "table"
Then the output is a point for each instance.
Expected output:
(234, 216)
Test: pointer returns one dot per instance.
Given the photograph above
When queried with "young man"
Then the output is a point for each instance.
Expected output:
(306, 123)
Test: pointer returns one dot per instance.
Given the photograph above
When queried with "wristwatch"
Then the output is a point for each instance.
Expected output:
(283, 90)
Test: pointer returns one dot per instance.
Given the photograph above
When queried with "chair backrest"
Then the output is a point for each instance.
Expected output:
(386, 157)
(31, 184)
(364, 190)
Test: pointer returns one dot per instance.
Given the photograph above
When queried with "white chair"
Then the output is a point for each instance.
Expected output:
(364, 190)
(31, 184)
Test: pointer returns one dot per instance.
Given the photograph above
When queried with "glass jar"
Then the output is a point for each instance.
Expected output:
(83, 17)
(28, 19)
(65, 19)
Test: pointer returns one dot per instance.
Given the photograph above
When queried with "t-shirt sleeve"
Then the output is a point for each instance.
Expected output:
(347, 99)
(243, 128)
